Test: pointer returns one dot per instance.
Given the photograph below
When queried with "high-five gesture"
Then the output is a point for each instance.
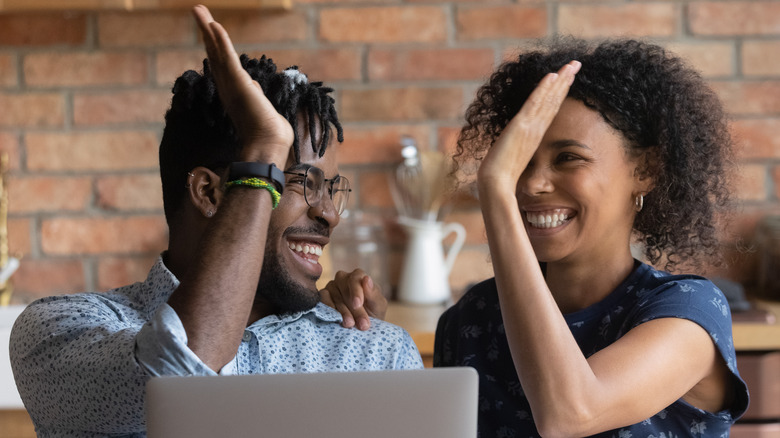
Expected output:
(509, 156)
(266, 135)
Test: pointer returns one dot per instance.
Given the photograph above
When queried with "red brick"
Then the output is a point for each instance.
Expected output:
(9, 144)
(759, 58)
(341, 64)
(591, 21)
(251, 27)
(170, 64)
(116, 272)
(81, 69)
(744, 224)
(473, 223)
(741, 98)
(734, 18)
(337, 64)
(429, 64)
(383, 24)
(448, 139)
(134, 106)
(500, 22)
(158, 28)
(19, 236)
(90, 151)
(472, 265)
(473, 1)
(396, 104)
(130, 192)
(31, 110)
(757, 138)
(752, 182)
(712, 59)
(8, 71)
(776, 180)
(375, 190)
(40, 278)
(127, 235)
(333, 2)
(48, 194)
(68, 29)
(378, 144)
(740, 265)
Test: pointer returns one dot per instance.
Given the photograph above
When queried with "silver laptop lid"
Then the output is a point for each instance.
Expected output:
(439, 402)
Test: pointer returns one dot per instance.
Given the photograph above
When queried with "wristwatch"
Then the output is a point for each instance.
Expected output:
(252, 169)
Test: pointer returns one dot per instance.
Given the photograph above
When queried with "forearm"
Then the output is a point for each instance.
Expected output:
(214, 299)
(554, 373)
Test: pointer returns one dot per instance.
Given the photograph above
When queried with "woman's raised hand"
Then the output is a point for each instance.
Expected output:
(265, 134)
(510, 154)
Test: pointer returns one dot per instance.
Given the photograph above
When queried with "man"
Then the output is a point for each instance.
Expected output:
(235, 291)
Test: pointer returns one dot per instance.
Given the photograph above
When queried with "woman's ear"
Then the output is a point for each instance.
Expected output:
(205, 190)
(645, 171)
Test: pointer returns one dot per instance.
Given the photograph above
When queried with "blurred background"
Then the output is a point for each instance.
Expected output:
(83, 92)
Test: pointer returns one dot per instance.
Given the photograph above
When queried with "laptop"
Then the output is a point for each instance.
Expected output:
(437, 402)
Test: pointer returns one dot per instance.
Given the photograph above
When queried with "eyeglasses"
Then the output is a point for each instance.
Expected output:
(314, 182)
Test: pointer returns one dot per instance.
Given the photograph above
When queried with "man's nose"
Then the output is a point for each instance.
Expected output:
(325, 212)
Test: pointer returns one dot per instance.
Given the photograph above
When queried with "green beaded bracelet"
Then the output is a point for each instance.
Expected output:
(258, 184)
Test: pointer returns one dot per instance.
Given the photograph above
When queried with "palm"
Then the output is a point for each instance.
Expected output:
(265, 134)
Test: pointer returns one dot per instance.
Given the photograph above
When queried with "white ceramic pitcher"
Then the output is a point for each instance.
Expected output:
(426, 270)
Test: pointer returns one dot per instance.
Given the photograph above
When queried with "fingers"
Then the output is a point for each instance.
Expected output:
(354, 296)
(546, 99)
(223, 58)
(203, 18)
(331, 296)
(375, 301)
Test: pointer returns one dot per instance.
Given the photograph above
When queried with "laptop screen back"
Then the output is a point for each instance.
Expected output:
(440, 402)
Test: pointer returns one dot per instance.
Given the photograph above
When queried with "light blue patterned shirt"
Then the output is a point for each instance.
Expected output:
(81, 362)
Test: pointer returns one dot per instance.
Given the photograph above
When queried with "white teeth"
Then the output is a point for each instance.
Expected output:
(540, 220)
(306, 248)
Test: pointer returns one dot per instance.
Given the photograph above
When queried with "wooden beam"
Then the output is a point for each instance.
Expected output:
(130, 5)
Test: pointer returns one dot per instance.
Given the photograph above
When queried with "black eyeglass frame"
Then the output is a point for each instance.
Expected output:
(319, 191)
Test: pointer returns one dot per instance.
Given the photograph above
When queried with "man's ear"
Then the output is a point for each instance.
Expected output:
(205, 190)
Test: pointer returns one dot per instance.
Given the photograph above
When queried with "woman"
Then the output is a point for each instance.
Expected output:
(573, 336)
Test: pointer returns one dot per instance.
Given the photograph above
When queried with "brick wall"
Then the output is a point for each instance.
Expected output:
(82, 96)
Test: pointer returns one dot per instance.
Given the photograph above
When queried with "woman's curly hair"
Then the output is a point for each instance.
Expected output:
(199, 132)
(673, 123)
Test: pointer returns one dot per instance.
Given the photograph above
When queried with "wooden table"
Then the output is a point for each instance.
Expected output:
(420, 322)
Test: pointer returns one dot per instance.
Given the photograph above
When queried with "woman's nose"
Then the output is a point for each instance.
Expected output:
(535, 180)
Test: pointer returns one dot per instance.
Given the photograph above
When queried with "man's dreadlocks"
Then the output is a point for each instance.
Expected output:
(198, 131)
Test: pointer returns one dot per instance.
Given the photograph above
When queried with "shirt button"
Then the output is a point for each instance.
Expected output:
(247, 336)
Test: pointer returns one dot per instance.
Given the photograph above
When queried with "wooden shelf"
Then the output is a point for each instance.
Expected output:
(135, 5)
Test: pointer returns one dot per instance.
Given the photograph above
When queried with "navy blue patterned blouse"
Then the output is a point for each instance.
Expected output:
(81, 362)
(471, 333)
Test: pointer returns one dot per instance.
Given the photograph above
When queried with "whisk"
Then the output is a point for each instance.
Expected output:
(405, 180)
(420, 182)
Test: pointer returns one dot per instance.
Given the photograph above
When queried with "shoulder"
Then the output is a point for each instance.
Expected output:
(330, 320)
(689, 297)
(69, 314)
(664, 292)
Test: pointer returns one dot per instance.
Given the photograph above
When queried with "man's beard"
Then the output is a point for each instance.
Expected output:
(278, 289)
